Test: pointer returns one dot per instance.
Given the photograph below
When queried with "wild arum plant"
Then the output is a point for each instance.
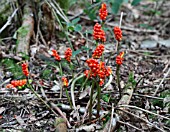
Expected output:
(97, 71)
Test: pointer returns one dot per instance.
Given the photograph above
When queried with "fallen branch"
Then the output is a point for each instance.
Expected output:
(11, 56)
(126, 123)
(161, 82)
(144, 120)
(135, 107)
(9, 20)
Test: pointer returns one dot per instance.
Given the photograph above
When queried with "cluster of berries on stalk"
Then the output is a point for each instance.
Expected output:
(97, 69)
(56, 55)
(119, 58)
(98, 33)
(16, 83)
(94, 67)
(65, 81)
(25, 69)
(103, 11)
(103, 72)
(98, 51)
(118, 33)
(68, 54)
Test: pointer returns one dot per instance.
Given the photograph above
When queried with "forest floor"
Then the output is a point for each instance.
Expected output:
(146, 43)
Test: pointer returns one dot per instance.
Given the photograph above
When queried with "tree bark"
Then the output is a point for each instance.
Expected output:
(25, 32)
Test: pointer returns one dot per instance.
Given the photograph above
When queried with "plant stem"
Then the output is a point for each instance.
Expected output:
(102, 57)
(30, 86)
(66, 33)
(84, 82)
(71, 66)
(67, 94)
(118, 79)
(112, 54)
(72, 89)
(102, 24)
(96, 43)
(61, 71)
(91, 100)
(117, 47)
(98, 98)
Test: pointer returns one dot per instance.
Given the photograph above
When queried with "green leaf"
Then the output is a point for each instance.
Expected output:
(75, 21)
(46, 73)
(125, 1)
(78, 28)
(76, 52)
(115, 7)
(135, 2)
(117, 1)
(30, 81)
(89, 32)
(85, 48)
(70, 24)
(105, 97)
(91, 13)
(131, 79)
(71, 28)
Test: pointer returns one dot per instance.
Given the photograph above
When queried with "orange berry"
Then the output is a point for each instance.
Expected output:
(68, 54)
(103, 11)
(118, 33)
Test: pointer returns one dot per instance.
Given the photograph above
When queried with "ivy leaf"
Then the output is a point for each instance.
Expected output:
(135, 2)
(76, 52)
(85, 48)
(115, 7)
(75, 21)
(78, 28)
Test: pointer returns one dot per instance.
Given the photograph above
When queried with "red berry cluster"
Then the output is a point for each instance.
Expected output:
(103, 11)
(16, 83)
(65, 81)
(103, 72)
(98, 33)
(94, 66)
(119, 58)
(98, 51)
(55, 54)
(25, 69)
(68, 54)
(118, 33)
(97, 69)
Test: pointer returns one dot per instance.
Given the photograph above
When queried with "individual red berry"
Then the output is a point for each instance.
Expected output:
(108, 71)
(98, 33)
(55, 54)
(103, 11)
(118, 33)
(68, 54)
(65, 81)
(101, 82)
(119, 58)
(10, 86)
(98, 51)
(25, 69)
